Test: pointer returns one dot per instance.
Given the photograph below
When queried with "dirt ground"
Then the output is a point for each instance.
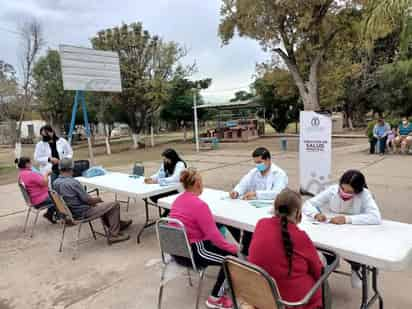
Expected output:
(126, 275)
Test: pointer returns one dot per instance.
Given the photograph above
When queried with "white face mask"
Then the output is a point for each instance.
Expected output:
(405, 122)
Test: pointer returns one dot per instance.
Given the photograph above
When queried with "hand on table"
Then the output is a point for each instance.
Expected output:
(320, 218)
(149, 181)
(249, 196)
(339, 220)
(234, 195)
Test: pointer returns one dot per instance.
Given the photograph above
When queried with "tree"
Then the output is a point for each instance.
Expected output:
(286, 26)
(8, 91)
(55, 103)
(32, 41)
(148, 65)
(278, 94)
(242, 96)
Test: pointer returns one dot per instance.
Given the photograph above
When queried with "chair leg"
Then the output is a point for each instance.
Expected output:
(77, 242)
(61, 241)
(34, 223)
(128, 203)
(159, 299)
(189, 277)
(92, 230)
(199, 287)
(27, 219)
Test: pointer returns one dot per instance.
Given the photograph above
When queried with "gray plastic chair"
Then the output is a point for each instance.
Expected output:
(68, 220)
(173, 241)
(30, 208)
(265, 293)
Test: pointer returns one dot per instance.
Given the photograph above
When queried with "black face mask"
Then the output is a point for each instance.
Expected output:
(46, 138)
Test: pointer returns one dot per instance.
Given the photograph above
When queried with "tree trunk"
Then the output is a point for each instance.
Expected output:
(135, 139)
(107, 139)
(184, 133)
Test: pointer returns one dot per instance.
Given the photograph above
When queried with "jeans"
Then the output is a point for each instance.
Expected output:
(381, 144)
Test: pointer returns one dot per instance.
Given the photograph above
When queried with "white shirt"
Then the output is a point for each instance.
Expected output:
(361, 209)
(175, 178)
(42, 153)
(267, 187)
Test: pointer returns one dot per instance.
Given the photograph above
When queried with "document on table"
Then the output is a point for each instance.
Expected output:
(261, 203)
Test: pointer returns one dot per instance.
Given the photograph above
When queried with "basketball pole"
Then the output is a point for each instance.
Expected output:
(80, 97)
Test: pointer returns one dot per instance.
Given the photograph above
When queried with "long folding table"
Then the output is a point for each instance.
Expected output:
(386, 247)
(131, 186)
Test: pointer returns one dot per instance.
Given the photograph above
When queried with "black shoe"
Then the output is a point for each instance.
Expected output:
(118, 238)
(125, 224)
(49, 217)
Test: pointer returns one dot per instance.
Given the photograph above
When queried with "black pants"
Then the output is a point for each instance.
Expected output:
(51, 208)
(206, 254)
(155, 198)
(381, 144)
(247, 238)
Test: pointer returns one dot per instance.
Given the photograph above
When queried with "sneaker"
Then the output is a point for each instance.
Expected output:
(118, 238)
(356, 280)
(219, 302)
(125, 224)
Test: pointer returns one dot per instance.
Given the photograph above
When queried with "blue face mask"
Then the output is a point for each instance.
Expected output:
(261, 167)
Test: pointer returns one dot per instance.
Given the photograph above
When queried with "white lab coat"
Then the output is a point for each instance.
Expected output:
(42, 153)
(266, 187)
(360, 210)
(175, 178)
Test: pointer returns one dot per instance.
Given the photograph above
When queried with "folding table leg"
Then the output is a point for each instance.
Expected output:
(365, 287)
(366, 301)
(375, 287)
(146, 223)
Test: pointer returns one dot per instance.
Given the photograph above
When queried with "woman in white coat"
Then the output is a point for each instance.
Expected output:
(350, 202)
(50, 150)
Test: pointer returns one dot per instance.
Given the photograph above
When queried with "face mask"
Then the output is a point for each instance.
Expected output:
(261, 167)
(46, 138)
(345, 196)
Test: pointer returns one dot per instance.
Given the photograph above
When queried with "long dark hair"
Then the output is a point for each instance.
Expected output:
(173, 156)
(287, 203)
(355, 179)
(49, 128)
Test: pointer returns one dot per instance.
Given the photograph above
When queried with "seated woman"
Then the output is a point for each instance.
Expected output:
(37, 187)
(286, 252)
(168, 173)
(208, 245)
(350, 202)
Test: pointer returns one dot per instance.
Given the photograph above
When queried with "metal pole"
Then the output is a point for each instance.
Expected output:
(196, 121)
(87, 126)
(74, 111)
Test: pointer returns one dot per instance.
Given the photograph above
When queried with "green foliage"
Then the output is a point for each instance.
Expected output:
(242, 96)
(279, 96)
(54, 103)
(148, 65)
(8, 92)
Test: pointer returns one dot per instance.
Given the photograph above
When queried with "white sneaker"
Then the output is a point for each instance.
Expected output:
(356, 280)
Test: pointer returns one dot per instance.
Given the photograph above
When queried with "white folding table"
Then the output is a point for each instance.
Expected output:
(385, 247)
(131, 186)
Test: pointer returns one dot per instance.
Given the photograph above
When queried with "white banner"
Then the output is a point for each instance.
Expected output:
(315, 151)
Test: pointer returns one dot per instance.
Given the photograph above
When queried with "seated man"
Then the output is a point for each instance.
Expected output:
(404, 138)
(264, 182)
(82, 205)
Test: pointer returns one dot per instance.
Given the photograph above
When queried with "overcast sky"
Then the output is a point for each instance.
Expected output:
(193, 23)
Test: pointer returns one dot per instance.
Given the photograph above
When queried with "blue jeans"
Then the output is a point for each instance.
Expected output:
(381, 144)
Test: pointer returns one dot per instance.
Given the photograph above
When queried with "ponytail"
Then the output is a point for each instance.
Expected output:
(287, 242)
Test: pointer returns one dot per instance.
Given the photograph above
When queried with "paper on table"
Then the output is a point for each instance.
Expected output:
(261, 203)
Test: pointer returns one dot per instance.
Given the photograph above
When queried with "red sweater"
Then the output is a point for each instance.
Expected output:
(267, 251)
(198, 221)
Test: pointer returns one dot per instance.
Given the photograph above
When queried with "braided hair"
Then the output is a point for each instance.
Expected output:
(287, 203)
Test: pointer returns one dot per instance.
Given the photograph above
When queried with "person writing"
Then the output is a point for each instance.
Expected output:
(264, 182)
(350, 202)
(37, 187)
(84, 206)
(208, 245)
(286, 252)
(50, 150)
(168, 173)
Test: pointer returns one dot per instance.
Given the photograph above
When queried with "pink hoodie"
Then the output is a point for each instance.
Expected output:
(199, 222)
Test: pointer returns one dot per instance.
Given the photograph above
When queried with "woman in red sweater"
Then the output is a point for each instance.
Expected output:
(209, 247)
(286, 252)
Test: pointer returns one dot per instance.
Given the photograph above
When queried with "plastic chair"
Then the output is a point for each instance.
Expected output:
(173, 241)
(265, 293)
(68, 220)
(30, 208)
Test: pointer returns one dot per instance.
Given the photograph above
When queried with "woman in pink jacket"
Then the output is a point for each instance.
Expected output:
(208, 245)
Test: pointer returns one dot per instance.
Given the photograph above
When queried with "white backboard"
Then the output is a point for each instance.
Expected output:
(90, 70)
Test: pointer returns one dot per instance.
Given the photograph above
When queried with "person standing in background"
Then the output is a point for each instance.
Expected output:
(50, 150)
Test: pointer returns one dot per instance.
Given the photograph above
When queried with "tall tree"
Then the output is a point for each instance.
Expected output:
(242, 96)
(55, 103)
(147, 65)
(31, 43)
(286, 26)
